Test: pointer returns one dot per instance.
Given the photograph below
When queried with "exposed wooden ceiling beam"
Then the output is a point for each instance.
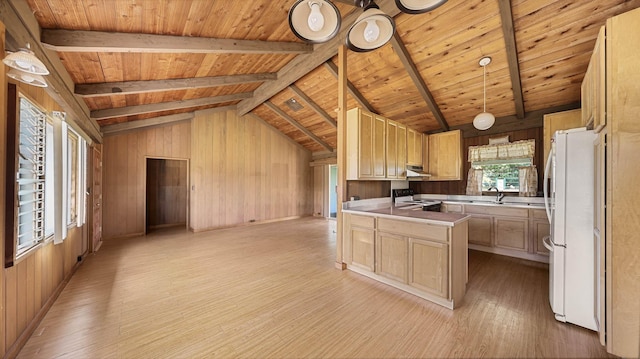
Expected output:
(23, 27)
(353, 91)
(259, 119)
(314, 106)
(152, 122)
(303, 64)
(132, 87)
(295, 124)
(165, 106)
(415, 76)
(506, 17)
(98, 41)
(513, 123)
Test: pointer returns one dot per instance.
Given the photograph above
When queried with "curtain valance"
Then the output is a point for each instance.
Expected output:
(502, 151)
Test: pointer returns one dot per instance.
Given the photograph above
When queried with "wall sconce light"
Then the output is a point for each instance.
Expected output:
(26, 67)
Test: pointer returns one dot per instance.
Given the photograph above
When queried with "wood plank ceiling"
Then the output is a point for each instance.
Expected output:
(136, 60)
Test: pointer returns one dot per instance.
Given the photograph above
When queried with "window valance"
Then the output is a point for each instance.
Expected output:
(502, 151)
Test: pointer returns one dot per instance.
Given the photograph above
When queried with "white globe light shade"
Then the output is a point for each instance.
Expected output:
(314, 21)
(484, 121)
(372, 29)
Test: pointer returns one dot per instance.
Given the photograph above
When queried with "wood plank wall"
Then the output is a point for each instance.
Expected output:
(3, 177)
(124, 174)
(243, 171)
(34, 280)
(460, 187)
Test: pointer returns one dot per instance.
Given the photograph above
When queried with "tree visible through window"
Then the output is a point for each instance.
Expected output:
(502, 175)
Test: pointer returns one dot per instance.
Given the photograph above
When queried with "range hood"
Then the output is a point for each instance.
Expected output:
(416, 171)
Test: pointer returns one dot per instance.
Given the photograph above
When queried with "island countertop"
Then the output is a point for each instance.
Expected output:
(410, 213)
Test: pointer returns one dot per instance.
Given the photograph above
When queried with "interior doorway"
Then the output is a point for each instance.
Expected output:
(166, 193)
(333, 191)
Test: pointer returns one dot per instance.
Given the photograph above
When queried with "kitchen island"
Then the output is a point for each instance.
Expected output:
(423, 253)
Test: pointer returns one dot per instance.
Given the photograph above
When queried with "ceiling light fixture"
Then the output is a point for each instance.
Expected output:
(483, 121)
(25, 60)
(318, 21)
(372, 29)
(314, 21)
(27, 78)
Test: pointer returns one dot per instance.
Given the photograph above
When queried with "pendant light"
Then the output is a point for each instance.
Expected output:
(483, 121)
(314, 21)
(372, 29)
(25, 60)
(418, 6)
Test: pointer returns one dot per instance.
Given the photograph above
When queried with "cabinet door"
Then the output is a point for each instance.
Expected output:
(392, 149)
(362, 247)
(402, 152)
(366, 130)
(445, 156)
(414, 148)
(429, 266)
(379, 147)
(512, 233)
(559, 121)
(541, 228)
(391, 256)
(481, 230)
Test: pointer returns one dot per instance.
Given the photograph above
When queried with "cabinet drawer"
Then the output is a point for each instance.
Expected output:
(413, 229)
(363, 221)
(538, 213)
(497, 211)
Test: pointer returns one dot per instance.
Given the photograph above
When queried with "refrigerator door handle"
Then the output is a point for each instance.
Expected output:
(546, 241)
(545, 186)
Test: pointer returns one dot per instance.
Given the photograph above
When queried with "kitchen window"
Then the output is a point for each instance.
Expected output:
(503, 175)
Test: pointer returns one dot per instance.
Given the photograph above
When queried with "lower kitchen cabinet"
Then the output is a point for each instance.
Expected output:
(391, 256)
(512, 233)
(481, 230)
(429, 266)
(360, 238)
(426, 259)
(539, 229)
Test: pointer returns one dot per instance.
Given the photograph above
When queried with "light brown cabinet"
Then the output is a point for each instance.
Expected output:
(445, 156)
(365, 142)
(391, 256)
(428, 260)
(559, 121)
(396, 154)
(429, 266)
(376, 147)
(414, 147)
(512, 233)
(359, 237)
(481, 230)
(593, 87)
(539, 229)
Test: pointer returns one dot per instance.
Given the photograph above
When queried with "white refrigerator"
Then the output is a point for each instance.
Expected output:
(569, 202)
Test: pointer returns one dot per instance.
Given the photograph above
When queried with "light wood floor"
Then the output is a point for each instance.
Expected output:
(272, 291)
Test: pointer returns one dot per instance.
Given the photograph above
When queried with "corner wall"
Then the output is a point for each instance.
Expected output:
(242, 171)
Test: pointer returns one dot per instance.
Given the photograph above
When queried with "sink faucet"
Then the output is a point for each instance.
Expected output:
(499, 195)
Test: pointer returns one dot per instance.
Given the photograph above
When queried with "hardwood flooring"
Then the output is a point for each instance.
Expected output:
(272, 291)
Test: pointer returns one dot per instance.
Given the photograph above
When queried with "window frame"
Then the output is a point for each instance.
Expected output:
(521, 162)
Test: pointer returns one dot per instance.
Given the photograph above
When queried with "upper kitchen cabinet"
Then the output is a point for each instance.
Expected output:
(366, 150)
(559, 121)
(396, 154)
(376, 147)
(414, 148)
(445, 156)
(593, 87)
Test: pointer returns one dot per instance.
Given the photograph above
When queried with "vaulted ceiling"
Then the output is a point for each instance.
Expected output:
(144, 61)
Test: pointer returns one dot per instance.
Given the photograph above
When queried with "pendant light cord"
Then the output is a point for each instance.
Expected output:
(484, 88)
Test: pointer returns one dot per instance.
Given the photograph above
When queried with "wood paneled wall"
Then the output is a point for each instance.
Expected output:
(124, 173)
(460, 187)
(243, 171)
(36, 278)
